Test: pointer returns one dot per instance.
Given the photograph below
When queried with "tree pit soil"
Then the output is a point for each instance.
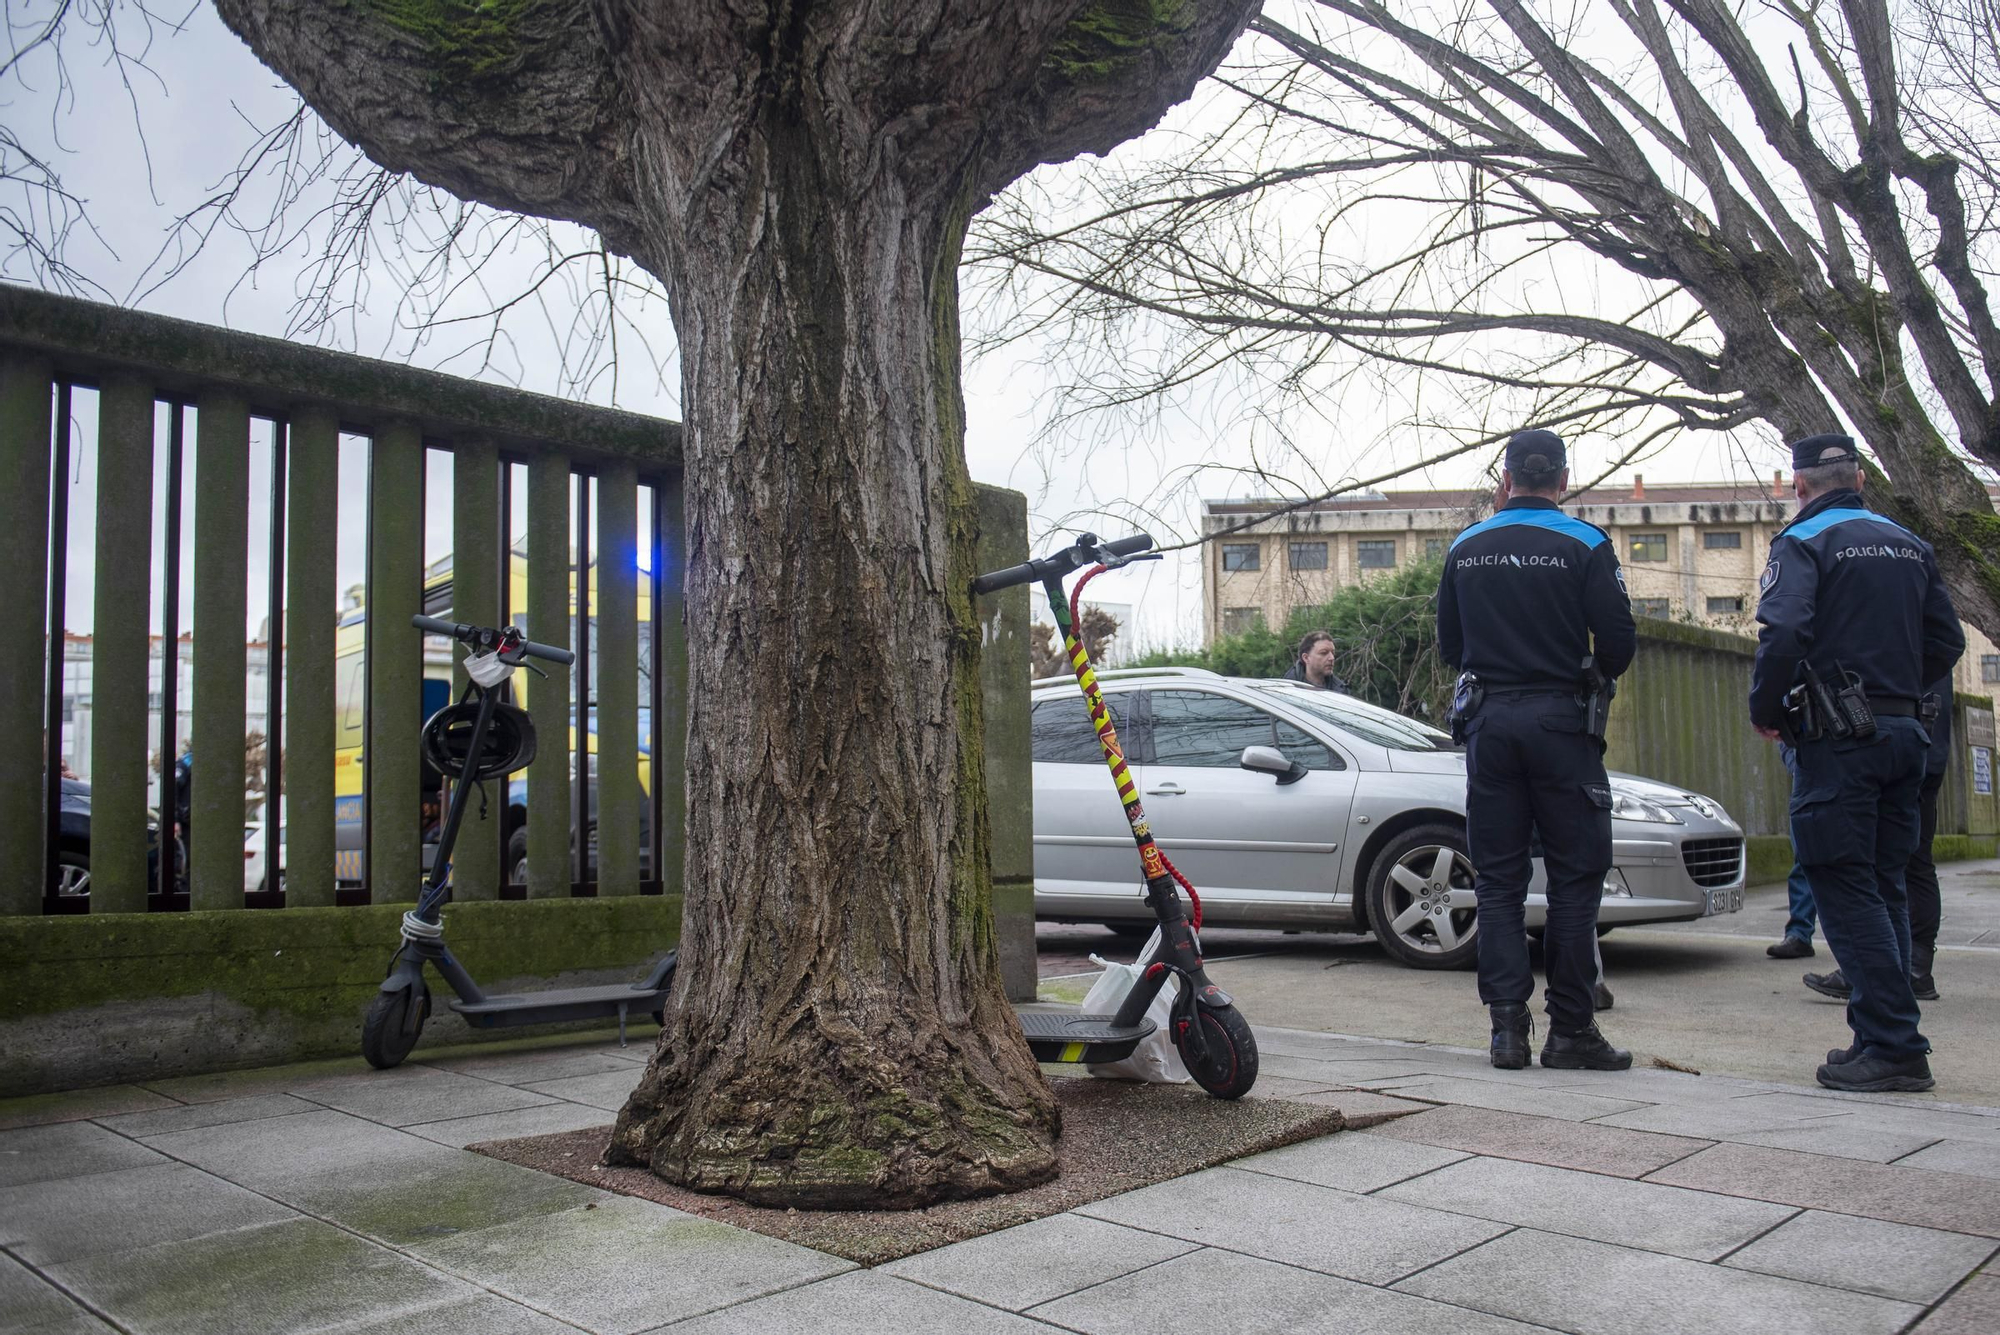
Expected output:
(1117, 1136)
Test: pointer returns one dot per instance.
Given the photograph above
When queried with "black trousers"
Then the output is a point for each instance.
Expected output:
(1855, 826)
(1926, 906)
(1529, 766)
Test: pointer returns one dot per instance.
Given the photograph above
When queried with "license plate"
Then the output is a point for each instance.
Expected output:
(1727, 900)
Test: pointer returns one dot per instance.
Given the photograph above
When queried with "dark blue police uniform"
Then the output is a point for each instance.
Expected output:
(1526, 595)
(1859, 599)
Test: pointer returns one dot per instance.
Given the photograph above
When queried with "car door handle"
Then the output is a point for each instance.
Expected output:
(1167, 790)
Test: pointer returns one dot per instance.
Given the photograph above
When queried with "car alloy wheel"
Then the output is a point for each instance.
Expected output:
(72, 877)
(1421, 905)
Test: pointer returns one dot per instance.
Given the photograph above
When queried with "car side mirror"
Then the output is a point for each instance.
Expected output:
(1270, 760)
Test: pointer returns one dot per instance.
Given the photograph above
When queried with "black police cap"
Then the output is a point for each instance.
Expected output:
(1535, 451)
(1829, 447)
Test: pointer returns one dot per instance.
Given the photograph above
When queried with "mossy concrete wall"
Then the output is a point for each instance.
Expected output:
(1010, 788)
(1770, 855)
(1682, 717)
(105, 998)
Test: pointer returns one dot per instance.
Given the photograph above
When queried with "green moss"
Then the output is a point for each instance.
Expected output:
(1699, 637)
(466, 41)
(1109, 36)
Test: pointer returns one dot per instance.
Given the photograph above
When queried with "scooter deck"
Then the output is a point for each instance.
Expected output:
(563, 1003)
(1055, 1036)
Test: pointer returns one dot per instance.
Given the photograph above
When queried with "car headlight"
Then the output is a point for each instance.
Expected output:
(1628, 805)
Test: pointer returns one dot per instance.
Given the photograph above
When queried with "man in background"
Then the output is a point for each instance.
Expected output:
(1314, 665)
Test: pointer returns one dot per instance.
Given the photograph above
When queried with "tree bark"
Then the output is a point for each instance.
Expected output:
(801, 175)
(841, 1037)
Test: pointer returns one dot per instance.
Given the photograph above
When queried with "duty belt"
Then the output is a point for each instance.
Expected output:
(1891, 706)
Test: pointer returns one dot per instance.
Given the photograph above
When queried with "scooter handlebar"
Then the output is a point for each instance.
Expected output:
(486, 637)
(1085, 551)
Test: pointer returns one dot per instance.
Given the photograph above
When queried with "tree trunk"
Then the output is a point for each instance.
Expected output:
(838, 1035)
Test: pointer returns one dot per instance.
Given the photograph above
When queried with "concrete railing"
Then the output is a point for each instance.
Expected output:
(185, 415)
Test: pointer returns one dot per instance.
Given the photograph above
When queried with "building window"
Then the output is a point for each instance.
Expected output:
(1237, 620)
(1718, 607)
(1649, 546)
(1652, 607)
(1433, 548)
(1989, 668)
(1723, 540)
(1375, 553)
(1306, 555)
(1240, 555)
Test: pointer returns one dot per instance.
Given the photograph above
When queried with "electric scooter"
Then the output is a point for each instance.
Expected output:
(1213, 1038)
(482, 737)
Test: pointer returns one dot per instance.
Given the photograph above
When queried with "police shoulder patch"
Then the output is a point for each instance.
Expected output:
(1769, 577)
(1622, 588)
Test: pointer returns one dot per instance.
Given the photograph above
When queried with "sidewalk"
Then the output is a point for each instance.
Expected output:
(328, 1198)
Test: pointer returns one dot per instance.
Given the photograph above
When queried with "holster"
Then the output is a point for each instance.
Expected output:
(1467, 694)
(1594, 692)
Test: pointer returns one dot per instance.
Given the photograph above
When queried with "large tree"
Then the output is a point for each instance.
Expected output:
(800, 176)
(1637, 217)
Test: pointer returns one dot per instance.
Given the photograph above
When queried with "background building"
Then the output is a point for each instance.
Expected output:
(1692, 551)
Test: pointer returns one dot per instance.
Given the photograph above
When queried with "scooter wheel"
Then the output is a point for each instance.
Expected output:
(389, 1031)
(1230, 1067)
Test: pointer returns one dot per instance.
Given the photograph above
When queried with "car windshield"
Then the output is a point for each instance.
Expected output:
(1369, 722)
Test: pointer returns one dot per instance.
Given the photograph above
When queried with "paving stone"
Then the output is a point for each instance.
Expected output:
(607, 1091)
(1841, 1251)
(481, 1314)
(521, 1068)
(65, 1149)
(1720, 1119)
(1593, 1288)
(1508, 1097)
(1976, 1158)
(865, 1302)
(1695, 1224)
(74, 1105)
(1036, 1262)
(217, 1085)
(625, 1264)
(1327, 1074)
(410, 1094)
(188, 1116)
(1954, 1202)
(1285, 1087)
(1973, 1310)
(1357, 1237)
(1351, 1161)
(1229, 1294)
(298, 1275)
(1592, 1147)
(1362, 1108)
(1841, 1137)
(30, 1305)
(63, 1219)
(541, 1120)
(382, 1182)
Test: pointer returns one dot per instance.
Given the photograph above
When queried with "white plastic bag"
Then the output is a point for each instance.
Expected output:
(1155, 1060)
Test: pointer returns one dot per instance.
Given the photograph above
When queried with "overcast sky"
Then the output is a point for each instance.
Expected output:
(205, 92)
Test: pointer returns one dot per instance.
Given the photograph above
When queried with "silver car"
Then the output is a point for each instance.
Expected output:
(1290, 807)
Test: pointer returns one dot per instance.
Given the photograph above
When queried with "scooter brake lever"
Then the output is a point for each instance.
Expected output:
(1115, 562)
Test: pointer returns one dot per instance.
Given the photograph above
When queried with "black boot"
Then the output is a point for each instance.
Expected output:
(1584, 1050)
(1830, 985)
(1921, 982)
(1842, 1056)
(1510, 1034)
(1873, 1074)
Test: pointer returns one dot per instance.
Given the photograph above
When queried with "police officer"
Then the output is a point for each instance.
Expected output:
(1527, 597)
(1854, 603)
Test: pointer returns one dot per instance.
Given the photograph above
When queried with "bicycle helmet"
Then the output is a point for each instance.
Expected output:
(509, 746)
